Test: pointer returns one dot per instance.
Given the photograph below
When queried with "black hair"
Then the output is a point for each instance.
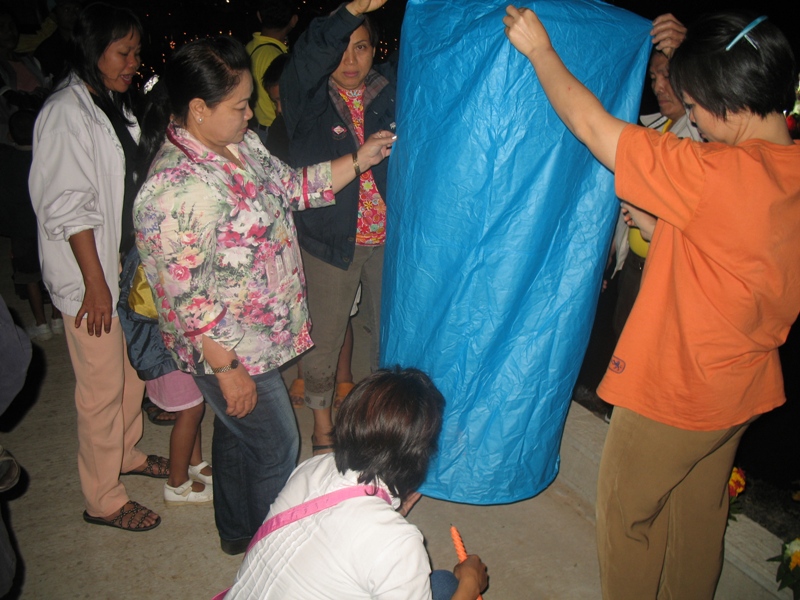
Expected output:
(20, 127)
(275, 14)
(97, 26)
(388, 427)
(373, 31)
(209, 69)
(756, 74)
(272, 75)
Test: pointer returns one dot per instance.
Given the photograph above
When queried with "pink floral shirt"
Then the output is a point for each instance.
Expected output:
(220, 250)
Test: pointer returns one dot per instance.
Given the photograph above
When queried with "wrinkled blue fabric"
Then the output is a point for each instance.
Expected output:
(499, 225)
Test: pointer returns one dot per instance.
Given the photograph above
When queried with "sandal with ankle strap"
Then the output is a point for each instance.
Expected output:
(118, 521)
(155, 466)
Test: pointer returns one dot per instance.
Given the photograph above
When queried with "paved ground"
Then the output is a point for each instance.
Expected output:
(542, 548)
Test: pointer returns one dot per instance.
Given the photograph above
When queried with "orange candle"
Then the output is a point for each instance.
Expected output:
(461, 551)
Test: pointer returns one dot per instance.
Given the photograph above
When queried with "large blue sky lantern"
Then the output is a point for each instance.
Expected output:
(499, 226)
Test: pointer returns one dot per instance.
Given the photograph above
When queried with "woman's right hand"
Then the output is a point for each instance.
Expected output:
(96, 307)
(375, 148)
(525, 31)
(239, 391)
(472, 578)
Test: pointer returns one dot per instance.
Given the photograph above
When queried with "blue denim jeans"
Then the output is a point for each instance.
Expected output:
(252, 456)
(443, 584)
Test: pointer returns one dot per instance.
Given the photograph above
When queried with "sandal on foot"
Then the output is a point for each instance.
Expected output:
(342, 389)
(196, 475)
(297, 392)
(156, 415)
(129, 509)
(317, 449)
(155, 466)
(183, 494)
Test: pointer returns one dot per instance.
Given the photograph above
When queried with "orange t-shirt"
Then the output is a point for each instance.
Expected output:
(721, 286)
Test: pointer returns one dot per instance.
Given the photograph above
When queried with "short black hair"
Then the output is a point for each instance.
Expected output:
(373, 30)
(272, 76)
(275, 14)
(756, 74)
(99, 25)
(388, 428)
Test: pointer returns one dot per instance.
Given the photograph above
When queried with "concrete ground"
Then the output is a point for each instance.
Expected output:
(542, 548)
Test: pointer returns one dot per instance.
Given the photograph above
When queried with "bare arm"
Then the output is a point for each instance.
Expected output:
(578, 108)
(96, 305)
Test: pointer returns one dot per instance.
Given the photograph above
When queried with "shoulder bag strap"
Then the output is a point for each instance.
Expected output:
(306, 509)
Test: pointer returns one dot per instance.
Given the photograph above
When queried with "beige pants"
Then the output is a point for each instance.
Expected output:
(662, 508)
(108, 399)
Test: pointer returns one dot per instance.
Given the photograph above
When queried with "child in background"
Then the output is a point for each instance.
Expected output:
(20, 222)
(190, 479)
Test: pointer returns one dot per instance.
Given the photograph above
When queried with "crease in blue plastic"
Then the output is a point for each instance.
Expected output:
(499, 225)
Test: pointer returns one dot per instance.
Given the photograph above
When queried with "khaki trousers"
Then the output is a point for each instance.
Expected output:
(662, 508)
(331, 292)
(108, 399)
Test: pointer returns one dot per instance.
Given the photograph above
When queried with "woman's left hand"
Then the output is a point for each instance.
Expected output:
(376, 147)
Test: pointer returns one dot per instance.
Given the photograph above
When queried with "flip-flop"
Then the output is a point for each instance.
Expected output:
(155, 466)
(116, 522)
(155, 414)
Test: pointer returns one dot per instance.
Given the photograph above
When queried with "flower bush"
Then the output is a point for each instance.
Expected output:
(788, 575)
(736, 485)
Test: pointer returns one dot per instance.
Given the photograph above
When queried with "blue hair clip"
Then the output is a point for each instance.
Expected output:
(743, 33)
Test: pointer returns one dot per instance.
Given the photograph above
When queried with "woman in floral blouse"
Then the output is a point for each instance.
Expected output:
(218, 243)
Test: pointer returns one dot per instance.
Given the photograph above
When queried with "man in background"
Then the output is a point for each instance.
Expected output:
(277, 18)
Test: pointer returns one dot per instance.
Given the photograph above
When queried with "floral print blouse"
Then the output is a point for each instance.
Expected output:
(219, 248)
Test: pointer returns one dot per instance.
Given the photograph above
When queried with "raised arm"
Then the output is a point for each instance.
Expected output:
(578, 108)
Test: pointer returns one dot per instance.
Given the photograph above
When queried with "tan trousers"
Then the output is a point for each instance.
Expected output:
(662, 507)
(108, 399)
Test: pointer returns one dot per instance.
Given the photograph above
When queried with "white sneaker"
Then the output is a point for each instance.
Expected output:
(183, 494)
(196, 475)
(40, 332)
(57, 326)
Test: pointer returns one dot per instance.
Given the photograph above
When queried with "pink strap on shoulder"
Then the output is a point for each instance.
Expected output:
(306, 509)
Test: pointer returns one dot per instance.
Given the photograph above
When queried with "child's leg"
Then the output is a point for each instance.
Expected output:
(182, 445)
(197, 451)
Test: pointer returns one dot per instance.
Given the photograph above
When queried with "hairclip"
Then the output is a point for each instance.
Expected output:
(151, 83)
(743, 33)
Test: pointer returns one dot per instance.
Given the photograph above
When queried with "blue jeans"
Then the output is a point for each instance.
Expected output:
(443, 584)
(252, 456)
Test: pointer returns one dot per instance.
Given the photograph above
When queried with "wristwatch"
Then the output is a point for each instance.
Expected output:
(234, 364)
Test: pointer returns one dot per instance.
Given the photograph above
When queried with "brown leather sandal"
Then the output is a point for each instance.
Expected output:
(155, 466)
(131, 509)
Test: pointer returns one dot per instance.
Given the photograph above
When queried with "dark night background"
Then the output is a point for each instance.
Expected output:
(768, 449)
